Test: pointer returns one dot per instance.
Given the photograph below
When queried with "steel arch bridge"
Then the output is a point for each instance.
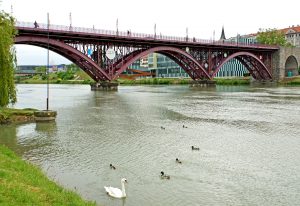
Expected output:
(88, 48)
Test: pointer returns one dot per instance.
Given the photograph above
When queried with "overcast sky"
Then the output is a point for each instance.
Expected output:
(171, 17)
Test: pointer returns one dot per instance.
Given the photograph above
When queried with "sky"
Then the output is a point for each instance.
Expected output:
(202, 18)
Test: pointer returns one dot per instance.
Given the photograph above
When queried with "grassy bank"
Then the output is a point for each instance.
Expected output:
(154, 81)
(55, 81)
(232, 81)
(22, 183)
(292, 81)
(69, 77)
(161, 81)
(9, 115)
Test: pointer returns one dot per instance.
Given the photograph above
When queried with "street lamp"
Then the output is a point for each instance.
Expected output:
(117, 26)
(187, 34)
(70, 18)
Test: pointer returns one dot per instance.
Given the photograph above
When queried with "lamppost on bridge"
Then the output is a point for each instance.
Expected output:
(117, 26)
(70, 18)
(155, 31)
(187, 34)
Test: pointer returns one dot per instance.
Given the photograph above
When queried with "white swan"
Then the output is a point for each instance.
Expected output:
(116, 192)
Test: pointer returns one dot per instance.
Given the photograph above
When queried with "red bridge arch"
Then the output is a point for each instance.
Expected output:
(83, 61)
(252, 63)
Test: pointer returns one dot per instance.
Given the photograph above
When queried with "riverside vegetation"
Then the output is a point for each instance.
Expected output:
(22, 183)
(11, 115)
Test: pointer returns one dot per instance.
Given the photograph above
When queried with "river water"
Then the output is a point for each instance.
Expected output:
(248, 137)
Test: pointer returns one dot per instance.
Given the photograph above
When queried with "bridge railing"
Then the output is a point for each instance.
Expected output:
(129, 34)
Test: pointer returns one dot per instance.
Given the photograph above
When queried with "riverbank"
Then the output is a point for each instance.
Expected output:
(168, 81)
(10, 115)
(24, 184)
(290, 81)
(165, 81)
(55, 81)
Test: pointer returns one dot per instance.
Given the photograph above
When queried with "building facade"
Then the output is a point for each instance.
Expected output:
(292, 35)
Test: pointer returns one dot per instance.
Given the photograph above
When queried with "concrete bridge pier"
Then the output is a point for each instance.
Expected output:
(104, 86)
(203, 83)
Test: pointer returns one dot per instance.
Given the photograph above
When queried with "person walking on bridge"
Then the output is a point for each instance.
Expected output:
(36, 24)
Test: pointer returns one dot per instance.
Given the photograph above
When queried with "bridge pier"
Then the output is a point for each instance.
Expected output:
(104, 86)
(203, 83)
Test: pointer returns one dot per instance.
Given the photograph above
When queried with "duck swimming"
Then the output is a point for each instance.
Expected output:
(112, 167)
(164, 176)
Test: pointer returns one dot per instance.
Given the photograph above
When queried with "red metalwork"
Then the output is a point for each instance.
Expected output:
(87, 48)
(67, 51)
(178, 54)
(254, 65)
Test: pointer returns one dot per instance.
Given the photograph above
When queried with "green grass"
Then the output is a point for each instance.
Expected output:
(22, 183)
(232, 81)
(292, 81)
(160, 81)
(154, 81)
(8, 115)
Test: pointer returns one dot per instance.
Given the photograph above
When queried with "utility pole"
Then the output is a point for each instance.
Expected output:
(47, 70)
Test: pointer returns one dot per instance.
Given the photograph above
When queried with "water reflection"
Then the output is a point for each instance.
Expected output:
(47, 128)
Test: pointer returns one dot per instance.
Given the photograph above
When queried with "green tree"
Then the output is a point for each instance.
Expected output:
(272, 37)
(40, 69)
(7, 59)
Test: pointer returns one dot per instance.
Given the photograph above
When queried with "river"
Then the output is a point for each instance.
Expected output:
(248, 137)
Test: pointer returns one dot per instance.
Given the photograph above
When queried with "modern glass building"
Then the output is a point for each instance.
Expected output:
(163, 66)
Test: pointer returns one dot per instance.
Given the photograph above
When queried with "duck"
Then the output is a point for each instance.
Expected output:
(164, 176)
(178, 161)
(195, 148)
(112, 167)
(162, 127)
(116, 192)
(183, 126)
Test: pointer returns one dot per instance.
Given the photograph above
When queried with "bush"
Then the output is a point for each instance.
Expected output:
(68, 75)
(86, 81)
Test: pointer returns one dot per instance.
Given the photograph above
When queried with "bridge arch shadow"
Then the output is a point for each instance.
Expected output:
(84, 62)
(252, 63)
(291, 66)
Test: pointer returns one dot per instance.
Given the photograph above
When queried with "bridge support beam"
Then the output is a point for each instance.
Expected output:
(104, 86)
(203, 83)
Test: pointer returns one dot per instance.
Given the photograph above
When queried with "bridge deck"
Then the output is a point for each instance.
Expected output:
(72, 34)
